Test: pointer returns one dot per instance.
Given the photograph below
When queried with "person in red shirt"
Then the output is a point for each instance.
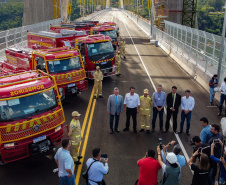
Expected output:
(149, 168)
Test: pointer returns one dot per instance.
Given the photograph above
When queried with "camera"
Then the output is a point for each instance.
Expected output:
(216, 140)
(192, 142)
(104, 156)
(160, 143)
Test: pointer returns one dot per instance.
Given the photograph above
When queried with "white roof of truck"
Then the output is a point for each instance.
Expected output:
(63, 33)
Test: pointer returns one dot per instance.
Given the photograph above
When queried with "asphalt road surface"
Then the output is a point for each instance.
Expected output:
(146, 66)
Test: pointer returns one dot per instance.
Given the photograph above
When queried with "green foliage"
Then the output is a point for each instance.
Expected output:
(11, 15)
(75, 10)
(211, 16)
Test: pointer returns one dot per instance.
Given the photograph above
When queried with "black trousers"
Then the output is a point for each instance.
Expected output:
(131, 112)
(168, 116)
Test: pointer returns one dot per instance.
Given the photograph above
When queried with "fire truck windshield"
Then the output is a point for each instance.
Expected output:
(64, 65)
(99, 48)
(23, 108)
(111, 33)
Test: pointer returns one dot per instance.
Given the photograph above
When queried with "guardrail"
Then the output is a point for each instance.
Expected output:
(180, 49)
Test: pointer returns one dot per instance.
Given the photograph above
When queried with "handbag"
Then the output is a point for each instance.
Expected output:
(85, 173)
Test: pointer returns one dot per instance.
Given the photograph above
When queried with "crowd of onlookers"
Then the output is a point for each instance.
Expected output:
(208, 148)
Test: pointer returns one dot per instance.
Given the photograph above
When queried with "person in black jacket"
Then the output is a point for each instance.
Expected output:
(173, 102)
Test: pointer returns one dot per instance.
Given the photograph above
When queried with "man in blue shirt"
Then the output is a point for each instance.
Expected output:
(65, 164)
(205, 134)
(159, 101)
(98, 169)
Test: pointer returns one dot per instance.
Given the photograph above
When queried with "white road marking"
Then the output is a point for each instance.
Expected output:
(176, 135)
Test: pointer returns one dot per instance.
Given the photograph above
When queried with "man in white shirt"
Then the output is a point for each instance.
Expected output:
(132, 108)
(187, 105)
(98, 169)
(223, 96)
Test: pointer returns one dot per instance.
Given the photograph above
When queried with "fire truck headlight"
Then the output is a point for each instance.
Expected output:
(58, 128)
(9, 144)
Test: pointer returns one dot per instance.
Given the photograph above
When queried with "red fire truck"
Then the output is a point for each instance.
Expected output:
(85, 21)
(64, 64)
(46, 40)
(97, 50)
(31, 115)
(108, 31)
(78, 27)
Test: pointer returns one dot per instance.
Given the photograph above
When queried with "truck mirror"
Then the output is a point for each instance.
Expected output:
(37, 58)
(84, 59)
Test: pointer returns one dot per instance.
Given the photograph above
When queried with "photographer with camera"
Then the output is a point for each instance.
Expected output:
(149, 168)
(221, 161)
(176, 151)
(201, 171)
(171, 172)
(98, 169)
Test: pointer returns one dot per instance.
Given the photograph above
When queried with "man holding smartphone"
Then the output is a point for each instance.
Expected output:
(215, 130)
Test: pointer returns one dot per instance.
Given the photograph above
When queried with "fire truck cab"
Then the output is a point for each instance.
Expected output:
(64, 64)
(108, 31)
(97, 50)
(31, 115)
(45, 39)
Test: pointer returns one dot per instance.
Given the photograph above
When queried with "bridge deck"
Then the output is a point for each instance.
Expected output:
(123, 149)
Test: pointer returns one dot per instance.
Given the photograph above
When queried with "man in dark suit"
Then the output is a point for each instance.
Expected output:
(173, 102)
(115, 108)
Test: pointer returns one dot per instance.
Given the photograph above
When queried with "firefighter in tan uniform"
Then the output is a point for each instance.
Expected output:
(122, 46)
(118, 63)
(75, 136)
(145, 111)
(98, 77)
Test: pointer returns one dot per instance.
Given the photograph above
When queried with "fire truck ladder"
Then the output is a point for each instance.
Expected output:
(189, 13)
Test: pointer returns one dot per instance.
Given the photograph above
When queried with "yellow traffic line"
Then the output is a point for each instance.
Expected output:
(86, 116)
(85, 144)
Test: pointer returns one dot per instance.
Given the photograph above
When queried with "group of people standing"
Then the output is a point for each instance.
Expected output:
(133, 105)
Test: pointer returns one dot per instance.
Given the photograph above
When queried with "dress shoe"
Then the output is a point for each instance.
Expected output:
(80, 157)
(165, 131)
(101, 96)
(117, 130)
(141, 130)
(219, 114)
(111, 132)
(125, 129)
(148, 131)
(188, 133)
(162, 131)
(94, 97)
(175, 132)
(180, 132)
(153, 130)
(77, 162)
(117, 75)
(135, 131)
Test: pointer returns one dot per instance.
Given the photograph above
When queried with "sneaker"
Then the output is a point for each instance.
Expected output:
(111, 131)
(77, 162)
(101, 96)
(117, 75)
(80, 157)
(141, 130)
(117, 130)
(161, 130)
(219, 114)
(175, 132)
(125, 129)
(165, 131)
(180, 132)
(94, 97)
(211, 103)
(148, 131)
(188, 133)
(153, 130)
